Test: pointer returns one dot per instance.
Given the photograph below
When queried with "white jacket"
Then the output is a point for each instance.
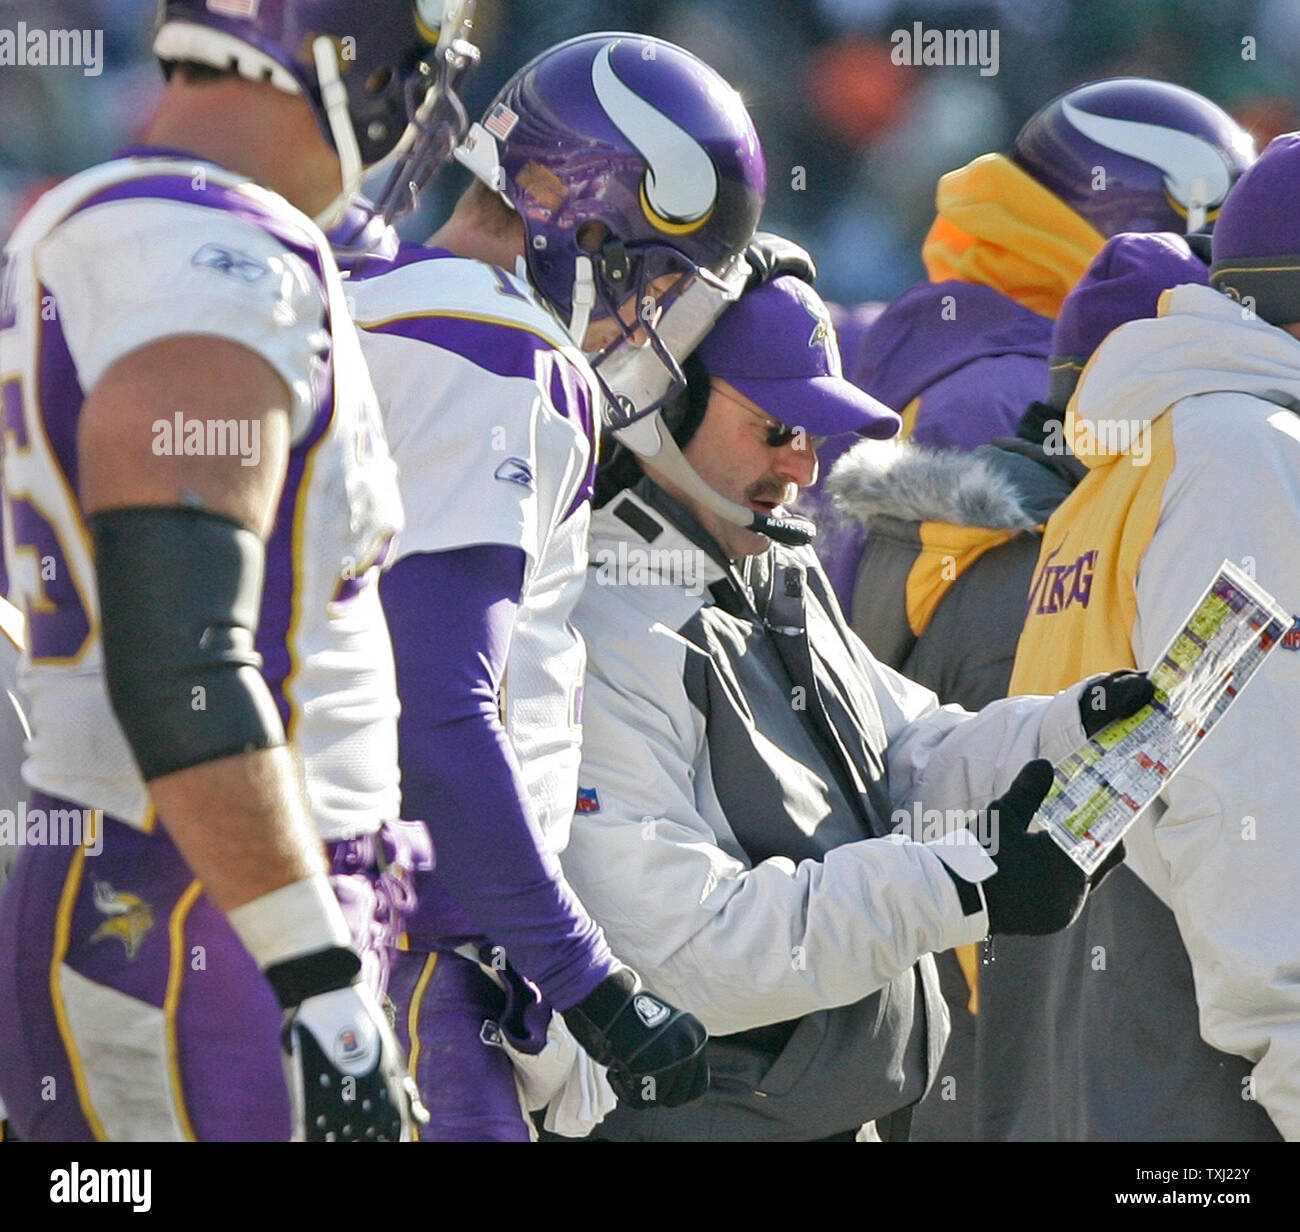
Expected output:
(742, 942)
(1223, 853)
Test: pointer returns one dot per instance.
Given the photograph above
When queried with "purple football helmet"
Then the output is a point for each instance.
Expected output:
(631, 132)
(1132, 154)
(363, 66)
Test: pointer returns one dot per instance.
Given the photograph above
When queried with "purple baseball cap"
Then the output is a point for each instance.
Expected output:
(1123, 283)
(1256, 242)
(777, 346)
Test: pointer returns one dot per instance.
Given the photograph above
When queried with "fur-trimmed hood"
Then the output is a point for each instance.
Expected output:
(1007, 486)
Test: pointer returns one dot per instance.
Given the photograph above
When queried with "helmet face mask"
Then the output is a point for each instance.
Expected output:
(1132, 154)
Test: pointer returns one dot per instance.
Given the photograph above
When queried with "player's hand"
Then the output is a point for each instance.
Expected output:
(344, 1068)
(770, 256)
(1037, 889)
(1113, 697)
(654, 1051)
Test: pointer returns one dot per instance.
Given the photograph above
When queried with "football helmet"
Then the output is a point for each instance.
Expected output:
(363, 66)
(639, 136)
(633, 133)
(1132, 154)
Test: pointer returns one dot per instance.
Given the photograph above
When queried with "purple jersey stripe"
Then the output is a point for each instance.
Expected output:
(496, 346)
(279, 591)
(408, 253)
(60, 393)
(571, 395)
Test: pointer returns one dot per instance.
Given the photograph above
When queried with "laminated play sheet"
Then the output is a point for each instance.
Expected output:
(1101, 789)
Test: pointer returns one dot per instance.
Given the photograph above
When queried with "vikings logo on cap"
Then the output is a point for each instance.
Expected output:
(823, 338)
(680, 187)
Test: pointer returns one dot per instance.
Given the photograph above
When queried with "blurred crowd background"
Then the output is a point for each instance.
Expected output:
(854, 142)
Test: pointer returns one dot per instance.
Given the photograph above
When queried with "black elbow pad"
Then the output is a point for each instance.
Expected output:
(180, 591)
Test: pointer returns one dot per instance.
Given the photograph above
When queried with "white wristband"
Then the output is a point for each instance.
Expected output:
(301, 918)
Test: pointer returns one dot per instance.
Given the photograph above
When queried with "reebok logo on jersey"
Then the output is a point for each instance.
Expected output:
(650, 1011)
(231, 262)
(515, 470)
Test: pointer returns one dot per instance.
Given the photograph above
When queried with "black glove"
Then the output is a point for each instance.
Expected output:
(1113, 697)
(1037, 889)
(345, 1070)
(770, 256)
(654, 1051)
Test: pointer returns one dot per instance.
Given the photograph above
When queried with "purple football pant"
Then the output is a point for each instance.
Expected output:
(448, 1015)
(130, 1010)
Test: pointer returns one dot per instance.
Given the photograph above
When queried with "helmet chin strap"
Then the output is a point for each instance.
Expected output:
(649, 440)
(1197, 210)
(334, 95)
(584, 299)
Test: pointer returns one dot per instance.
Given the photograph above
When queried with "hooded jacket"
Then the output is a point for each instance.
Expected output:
(962, 355)
(745, 765)
(932, 598)
(1188, 425)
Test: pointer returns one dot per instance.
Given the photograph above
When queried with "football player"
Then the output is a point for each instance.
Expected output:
(612, 171)
(200, 495)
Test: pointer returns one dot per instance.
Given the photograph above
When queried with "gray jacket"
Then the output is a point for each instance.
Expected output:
(747, 766)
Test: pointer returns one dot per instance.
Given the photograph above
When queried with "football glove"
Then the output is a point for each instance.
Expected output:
(654, 1051)
(1113, 697)
(1037, 889)
(771, 256)
(344, 1068)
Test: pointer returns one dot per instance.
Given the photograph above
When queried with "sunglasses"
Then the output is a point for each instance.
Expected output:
(779, 435)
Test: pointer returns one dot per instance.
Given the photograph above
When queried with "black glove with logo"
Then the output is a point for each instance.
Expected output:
(1113, 697)
(654, 1051)
(770, 256)
(1037, 889)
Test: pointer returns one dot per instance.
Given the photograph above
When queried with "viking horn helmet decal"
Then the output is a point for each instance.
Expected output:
(680, 187)
(1195, 172)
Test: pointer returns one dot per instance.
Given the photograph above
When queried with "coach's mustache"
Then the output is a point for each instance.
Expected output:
(775, 490)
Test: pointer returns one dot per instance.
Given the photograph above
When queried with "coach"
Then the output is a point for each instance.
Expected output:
(745, 760)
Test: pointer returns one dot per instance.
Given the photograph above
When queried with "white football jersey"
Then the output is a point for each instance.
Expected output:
(492, 415)
(124, 255)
